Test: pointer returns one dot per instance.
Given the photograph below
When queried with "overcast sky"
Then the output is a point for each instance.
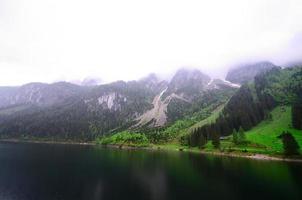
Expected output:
(55, 40)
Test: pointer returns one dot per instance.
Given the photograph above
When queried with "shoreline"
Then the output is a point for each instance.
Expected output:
(253, 156)
(46, 142)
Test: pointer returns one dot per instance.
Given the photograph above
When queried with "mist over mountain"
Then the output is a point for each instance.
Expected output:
(245, 73)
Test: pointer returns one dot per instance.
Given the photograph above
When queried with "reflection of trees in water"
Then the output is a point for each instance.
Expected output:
(154, 183)
(179, 175)
(240, 178)
(295, 170)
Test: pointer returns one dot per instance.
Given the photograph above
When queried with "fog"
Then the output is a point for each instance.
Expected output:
(58, 40)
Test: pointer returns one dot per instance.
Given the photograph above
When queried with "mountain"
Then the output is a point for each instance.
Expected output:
(246, 73)
(67, 111)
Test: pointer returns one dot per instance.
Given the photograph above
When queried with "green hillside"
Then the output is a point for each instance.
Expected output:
(211, 119)
(263, 137)
(267, 131)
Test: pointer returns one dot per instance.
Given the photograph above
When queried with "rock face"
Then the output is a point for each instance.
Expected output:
(157, 115)
(110, 101)
(247, 73)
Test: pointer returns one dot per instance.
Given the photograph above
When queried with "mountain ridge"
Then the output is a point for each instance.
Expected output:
(101, 109)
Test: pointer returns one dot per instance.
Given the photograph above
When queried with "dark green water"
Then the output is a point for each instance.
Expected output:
(49, 172)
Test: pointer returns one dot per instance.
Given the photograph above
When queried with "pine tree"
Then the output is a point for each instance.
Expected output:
(192, 139)
(290, 145)
(216, 140)
(235, 136)
(297, 116)
(202, 141)
(241, 136)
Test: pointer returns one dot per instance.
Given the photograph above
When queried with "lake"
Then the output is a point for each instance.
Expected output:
(71, 172)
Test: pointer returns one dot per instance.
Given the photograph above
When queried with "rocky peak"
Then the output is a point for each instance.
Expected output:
(153, 83)
(188, 82)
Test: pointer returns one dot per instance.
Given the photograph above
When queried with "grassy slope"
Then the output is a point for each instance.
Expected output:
(263, 137)
(267, 131)
(175, 144)
(210, 119)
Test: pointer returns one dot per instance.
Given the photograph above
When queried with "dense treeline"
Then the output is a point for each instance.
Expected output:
(125, 138)
(297, 115)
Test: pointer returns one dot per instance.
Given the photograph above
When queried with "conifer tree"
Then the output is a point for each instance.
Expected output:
(241, 136)
(290, 145)
(216, 140)
(235, 136)
(297, 116)
(202, 141)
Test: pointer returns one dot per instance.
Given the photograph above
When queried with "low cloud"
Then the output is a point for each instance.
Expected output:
(70, 40)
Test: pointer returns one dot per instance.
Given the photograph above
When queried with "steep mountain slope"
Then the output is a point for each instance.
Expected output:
(246, 73)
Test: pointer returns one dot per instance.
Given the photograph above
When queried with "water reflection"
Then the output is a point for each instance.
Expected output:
(36, 171)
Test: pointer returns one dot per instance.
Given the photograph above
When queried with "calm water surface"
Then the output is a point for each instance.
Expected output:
(53, 172)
